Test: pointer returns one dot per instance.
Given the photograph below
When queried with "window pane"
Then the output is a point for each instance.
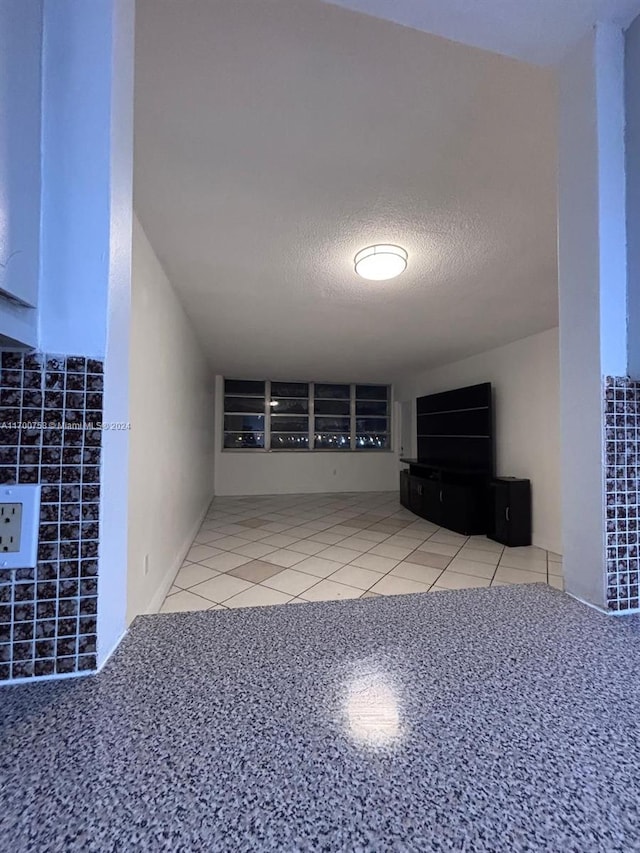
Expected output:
(244, 387)
(332, 392)
(289, 407)
(243, 440)
(372, 392)
(372, 417)
(367, 408)
(289, 424)
(332, 407)
(372, 441)
(371, 425)
(289, 389)
(333, 425)
(244, 423)
(289, 441)
(252, 405)
(332, 441)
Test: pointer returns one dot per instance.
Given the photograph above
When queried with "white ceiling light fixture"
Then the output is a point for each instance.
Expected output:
(381, 262)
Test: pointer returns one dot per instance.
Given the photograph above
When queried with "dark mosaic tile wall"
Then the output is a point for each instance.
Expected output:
(622, 490)
(48, 406)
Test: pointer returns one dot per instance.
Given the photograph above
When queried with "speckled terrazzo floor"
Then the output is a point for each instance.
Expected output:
(500, 719)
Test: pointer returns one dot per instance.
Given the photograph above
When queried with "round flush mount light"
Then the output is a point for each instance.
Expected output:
(381, 262)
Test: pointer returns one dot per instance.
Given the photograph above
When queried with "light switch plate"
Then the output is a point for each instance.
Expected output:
(20, 515)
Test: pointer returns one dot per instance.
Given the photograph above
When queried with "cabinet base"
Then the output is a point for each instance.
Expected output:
(457, 502)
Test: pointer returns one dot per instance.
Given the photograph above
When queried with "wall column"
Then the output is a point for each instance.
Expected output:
(65, 616)
(88, 56)
(600, 496)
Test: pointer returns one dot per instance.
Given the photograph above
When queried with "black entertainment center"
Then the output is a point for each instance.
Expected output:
(452, 483)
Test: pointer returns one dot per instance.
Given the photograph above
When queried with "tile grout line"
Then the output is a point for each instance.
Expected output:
(342, 522)
(368, 589)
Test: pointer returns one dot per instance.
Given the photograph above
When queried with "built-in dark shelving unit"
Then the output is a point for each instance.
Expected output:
(448, 482)
(455, 429)
(452, 483)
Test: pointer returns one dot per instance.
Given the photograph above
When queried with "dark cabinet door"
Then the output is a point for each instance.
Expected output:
(462, 509)
(432, 501)
(405, 491)
(416, 491)
(501, 512)
(511, 511)
(460, 505)
(455, 507)
(425, 499)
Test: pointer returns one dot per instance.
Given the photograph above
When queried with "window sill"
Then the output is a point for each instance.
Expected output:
(306, 450)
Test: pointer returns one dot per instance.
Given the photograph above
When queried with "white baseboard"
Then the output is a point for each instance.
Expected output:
(537, 543)
(102, 659)
(161, 593)
(604, 611)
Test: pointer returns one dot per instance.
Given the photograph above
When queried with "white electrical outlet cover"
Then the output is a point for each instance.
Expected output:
(29, 497)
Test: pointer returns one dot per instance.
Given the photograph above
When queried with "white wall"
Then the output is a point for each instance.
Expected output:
(79, 141)
(171, 445)
(20, 115)
(592, 290)
(632, 75)
(277, 473)
(116, 59)
(526, 381)
(20, 95)
(86, 168)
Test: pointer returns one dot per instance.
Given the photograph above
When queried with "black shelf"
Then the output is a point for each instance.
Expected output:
(444, 469)
(455, 429)
(453, 411)
(435, 435)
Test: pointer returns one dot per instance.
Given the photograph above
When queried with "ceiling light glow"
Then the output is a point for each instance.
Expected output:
(381, 262)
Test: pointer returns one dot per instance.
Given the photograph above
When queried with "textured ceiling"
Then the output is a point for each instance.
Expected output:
(275, 138)
(537, 31)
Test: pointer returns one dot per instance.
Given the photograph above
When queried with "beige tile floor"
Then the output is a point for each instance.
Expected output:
(257, 551)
